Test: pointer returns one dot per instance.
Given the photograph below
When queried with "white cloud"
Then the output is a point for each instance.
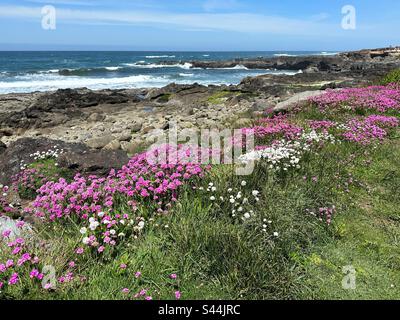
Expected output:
(237, 22)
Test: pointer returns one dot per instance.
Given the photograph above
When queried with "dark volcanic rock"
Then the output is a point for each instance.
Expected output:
(67, 98)
(279, 63)
(3, 147)
(54, 108)
(98, 162)
(75, 156)
(177, 89)
(342, 62)
(20, 150)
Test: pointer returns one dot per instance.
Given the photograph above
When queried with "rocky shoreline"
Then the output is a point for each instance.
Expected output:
(124, 120)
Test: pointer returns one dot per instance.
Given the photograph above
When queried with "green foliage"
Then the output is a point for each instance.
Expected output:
(38, 173)
(392, 77)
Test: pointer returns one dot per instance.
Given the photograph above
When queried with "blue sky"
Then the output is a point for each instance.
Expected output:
(198, 25)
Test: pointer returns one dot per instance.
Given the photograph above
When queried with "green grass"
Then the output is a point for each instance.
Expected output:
(392, 77)
(369, 236)
(218, 257)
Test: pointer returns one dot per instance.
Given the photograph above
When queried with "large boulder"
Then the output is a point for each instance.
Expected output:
(76, 156)
(21, 150)
(97, 162)
(78, 98)
(99, 142)
(54, 108)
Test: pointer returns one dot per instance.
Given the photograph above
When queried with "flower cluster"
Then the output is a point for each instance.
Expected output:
(283, 155)
(276, 127)
(53, 153)
(379, 98)
(19, 263)
(148, 184)
(28, 181)
(363, 132)
(104, 231)
(240, 202)
(143, 180)
(383, 121)
(323, 214)
(321, 124)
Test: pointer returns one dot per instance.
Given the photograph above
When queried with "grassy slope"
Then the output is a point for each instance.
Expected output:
(218, 258)
(369, 236)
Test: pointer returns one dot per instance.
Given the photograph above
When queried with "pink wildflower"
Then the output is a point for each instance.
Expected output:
(13, 279)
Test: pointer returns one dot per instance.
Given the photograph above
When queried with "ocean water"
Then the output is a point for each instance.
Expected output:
(43, 71)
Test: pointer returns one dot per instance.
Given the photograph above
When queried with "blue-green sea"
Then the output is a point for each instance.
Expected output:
(25, 71)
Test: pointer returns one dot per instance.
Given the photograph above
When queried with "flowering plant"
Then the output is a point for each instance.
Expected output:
(17, 260)
(379, 98)
(240, 202)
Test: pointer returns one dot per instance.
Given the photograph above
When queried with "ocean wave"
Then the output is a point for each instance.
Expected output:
(324, 53)
(145, 65)
(113, 68)
(237, 67)
(156, 57)
(284, 72)
(49, 82)
(284, 55)
(84, 71)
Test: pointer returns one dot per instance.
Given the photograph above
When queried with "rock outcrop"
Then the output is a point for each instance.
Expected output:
(74, 156)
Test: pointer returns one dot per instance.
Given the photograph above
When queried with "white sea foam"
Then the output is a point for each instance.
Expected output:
(324, 53)
(237, 67)
(142, 64)
(53, 82)
(112, 68)
(284, 55)
(156, 57)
